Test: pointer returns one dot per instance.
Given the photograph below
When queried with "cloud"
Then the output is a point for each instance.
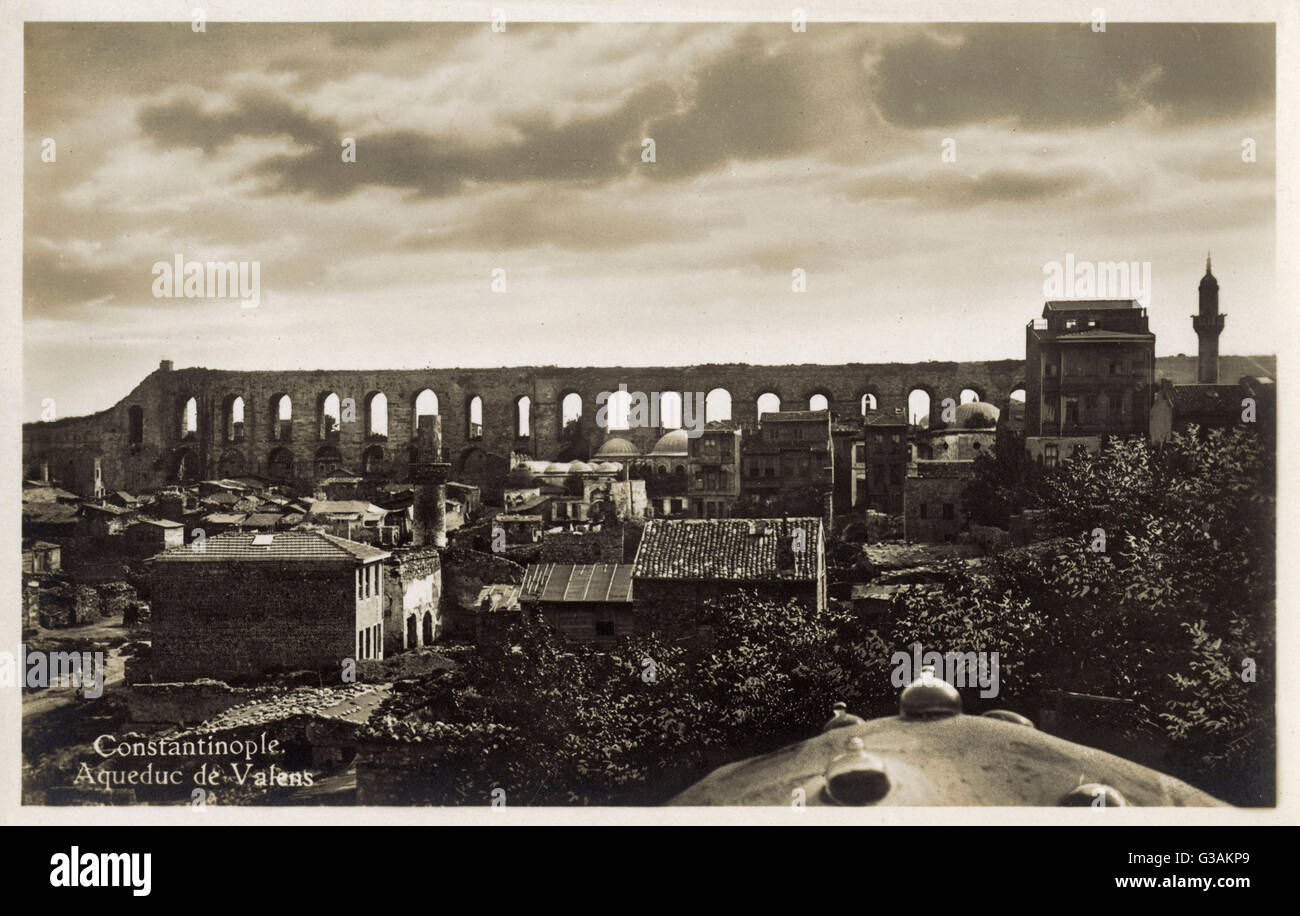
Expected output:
(956, 190)
(1068, 75)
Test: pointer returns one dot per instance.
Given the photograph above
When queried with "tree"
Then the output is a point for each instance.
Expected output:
(1164, 597)
(557, 723)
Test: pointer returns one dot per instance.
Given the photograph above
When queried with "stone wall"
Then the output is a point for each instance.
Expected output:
(72, 445)
(464, 573)
(215, 620)
(412, 591)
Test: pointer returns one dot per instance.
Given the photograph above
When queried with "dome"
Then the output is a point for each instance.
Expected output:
(556, 467)
(977, 415)
(580, 467)
(617, 448)
(609, 467)
(674, 443)
(537, 467)
(520, 476)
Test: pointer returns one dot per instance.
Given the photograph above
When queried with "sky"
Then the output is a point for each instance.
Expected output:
(920, 176)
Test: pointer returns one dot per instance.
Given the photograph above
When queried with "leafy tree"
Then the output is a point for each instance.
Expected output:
(557, 723)
(1163, 597)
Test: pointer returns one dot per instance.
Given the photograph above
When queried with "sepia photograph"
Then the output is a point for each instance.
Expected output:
(724, 417)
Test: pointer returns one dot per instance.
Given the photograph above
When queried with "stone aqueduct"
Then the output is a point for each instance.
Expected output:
(141, 442)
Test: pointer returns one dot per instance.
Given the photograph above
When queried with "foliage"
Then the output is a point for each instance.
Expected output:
(556, 723)
(1164, 597)
(1006, 481)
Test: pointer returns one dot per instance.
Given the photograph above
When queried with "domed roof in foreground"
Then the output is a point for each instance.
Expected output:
(580, 467)
(609, 467)
(617, 448)
(674, 443)
(556, 467)
(977, 415)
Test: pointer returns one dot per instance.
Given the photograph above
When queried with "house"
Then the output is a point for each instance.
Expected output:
(251, 603)
(933, 509)
(584, 603)
(885, 453)
(789, 464)
(104, 521)
(149, 536)
(353, 519)
(41, 557)
(1090, 373)
(683, 563)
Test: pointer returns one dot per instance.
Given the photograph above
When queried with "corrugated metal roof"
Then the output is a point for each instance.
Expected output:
(284, 545)
(599, 582)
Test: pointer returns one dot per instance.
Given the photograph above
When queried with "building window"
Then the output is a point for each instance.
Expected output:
(135, 419)
(949, 511)
(1116, 368)
(1072, 410)
(1050, 454)
(475, 430)
(1090, 402)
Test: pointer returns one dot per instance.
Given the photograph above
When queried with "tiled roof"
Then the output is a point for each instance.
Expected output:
(280, 546)
(568, 582)
(1207, 399)
(263, 519)
(725, 549)
(885, 419)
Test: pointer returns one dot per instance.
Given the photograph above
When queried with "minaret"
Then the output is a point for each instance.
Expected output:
(429, 474)
(1208, 324)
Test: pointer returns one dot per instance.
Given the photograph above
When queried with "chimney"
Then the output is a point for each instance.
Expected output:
(785, 551)
(165, 366)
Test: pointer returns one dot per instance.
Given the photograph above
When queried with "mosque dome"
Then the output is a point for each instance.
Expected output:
(609, 467)
(672, 444)
(580, 467)
(617, 448)
(977, 415)
(556, 467)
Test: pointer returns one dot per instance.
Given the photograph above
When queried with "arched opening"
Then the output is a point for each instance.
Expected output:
(969, 396)
(412, 632)
(819, 402)
(233, 419)
(570, 409)
(135, 424)
(617, 406)
(373, 463)
(768, 402)
(1018, 394)
(426, 405)
(281, 417)
(717, 405)
(327, 458)
(475, 418)
(330, 414)
(428, 628)
(189, 418)
(279, 465)
(377, 415)
(670, 410)
(918, 407)
(523, 417)
(869, 403)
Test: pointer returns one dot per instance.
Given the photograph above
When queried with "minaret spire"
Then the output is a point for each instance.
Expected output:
(1208, 324)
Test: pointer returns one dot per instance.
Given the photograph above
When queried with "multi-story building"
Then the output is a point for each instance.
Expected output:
(1090, 373)
(885, 455)
(715, 469)
(247, 604)
(789, 462)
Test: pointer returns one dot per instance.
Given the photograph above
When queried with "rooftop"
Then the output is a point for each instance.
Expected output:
(281, 546)
(568, 582)
(732, 549)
